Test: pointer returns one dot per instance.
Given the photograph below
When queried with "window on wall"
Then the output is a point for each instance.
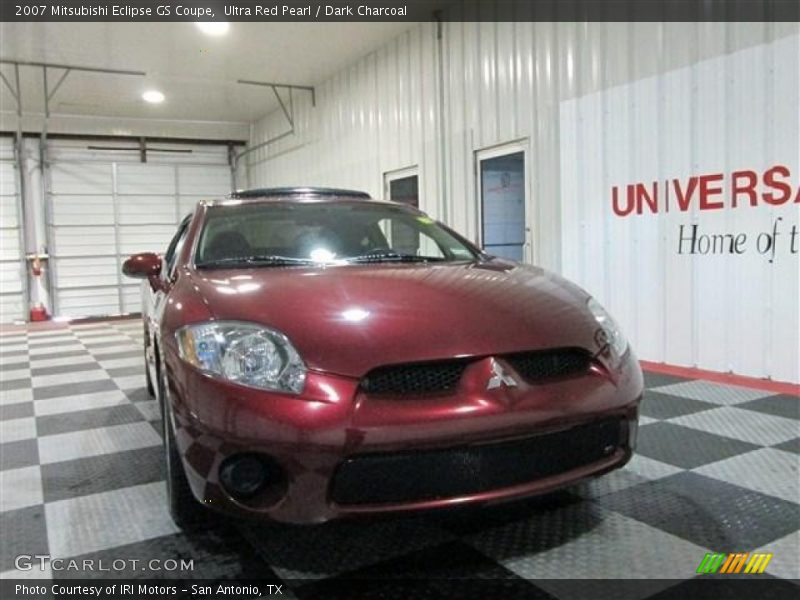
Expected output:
(402, 186)
(503, 204)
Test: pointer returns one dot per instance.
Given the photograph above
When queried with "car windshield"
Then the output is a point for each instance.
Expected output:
(272, 234)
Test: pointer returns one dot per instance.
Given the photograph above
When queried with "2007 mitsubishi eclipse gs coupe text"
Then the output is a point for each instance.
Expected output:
(319, 354)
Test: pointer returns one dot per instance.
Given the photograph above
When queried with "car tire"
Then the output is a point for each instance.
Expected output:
(185, 510)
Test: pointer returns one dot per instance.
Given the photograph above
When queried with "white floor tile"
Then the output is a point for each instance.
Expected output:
(63, 361)
(15, 396)
(12, 374)
(76, 347)
(650, 468)
(116, 363)
(20, 488)
(784, 562)
(67, 378)
(768, 470)
(717, 393)
(102, 350)
(745, 425)
(14, 430)
(93, 442)
(130, 382)
(107, 520)
(34, 573)
(17, 347)
(64, 404)
(90, 342)
(542, 554)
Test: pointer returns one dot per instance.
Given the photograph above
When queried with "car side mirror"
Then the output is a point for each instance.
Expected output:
(146, 265)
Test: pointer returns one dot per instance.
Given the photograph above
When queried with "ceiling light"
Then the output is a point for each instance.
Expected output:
(213, 27)
(153, 96)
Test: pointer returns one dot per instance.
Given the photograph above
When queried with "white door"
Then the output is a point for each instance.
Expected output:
(12, 259)
(105, 204)
(503, 201)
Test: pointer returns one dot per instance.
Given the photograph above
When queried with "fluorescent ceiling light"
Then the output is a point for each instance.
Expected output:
(153, 96)
(213, 27)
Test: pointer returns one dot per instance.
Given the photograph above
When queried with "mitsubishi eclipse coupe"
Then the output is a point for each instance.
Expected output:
(319, 354)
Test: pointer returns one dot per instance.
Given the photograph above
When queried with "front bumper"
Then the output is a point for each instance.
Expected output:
(411, 453)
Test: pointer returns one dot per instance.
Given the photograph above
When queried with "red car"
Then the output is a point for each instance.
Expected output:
(320, 354)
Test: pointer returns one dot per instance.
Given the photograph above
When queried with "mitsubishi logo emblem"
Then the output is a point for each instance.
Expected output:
(499, 377)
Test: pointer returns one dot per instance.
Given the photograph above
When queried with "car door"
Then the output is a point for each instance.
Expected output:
(158, 289)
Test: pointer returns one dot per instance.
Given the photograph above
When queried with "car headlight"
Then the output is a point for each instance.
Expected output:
(608, 326)
(244, 353)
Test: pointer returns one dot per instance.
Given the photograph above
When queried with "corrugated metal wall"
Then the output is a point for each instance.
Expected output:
(502, 82)
(12, 263)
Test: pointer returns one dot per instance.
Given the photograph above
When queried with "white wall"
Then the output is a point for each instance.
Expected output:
(508, 81)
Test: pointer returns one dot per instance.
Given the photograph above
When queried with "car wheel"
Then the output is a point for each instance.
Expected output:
(151, 391)
(184, 508)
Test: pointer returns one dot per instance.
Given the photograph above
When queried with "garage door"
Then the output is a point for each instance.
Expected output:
(105, 204)
(12, 266)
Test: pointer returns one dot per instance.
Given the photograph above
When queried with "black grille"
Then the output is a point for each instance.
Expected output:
(550, 364)
(414, 379)
(426, 475)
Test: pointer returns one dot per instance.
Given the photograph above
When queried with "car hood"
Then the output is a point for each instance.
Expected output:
(351, 319)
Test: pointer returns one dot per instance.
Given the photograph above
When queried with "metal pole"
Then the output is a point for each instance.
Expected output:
(28, 63)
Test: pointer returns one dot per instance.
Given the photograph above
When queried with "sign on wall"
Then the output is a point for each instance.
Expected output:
(681, 209)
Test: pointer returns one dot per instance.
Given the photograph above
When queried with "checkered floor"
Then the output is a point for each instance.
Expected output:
(716, 470)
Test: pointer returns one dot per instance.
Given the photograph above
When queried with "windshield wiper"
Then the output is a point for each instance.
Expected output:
(392, 257)
(268, 260)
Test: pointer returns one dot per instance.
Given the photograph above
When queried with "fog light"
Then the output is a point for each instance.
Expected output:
(243, 475)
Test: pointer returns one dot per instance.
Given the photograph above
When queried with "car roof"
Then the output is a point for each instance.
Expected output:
(290, 192)
(294, 194)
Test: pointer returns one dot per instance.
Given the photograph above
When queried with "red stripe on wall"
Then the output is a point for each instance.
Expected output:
(767, 385)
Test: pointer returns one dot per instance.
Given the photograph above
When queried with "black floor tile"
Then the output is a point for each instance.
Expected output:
(666, 406)
(215, 554)
(790, 445)
(98, 346)
(95, 474)
(23, 532)
(99, 355)
(780, 405)
(707, 512)
(14, 455)
(59, 369)
(449, 570)
(15, 355)
(63, 354)
(6, 367)
(731, 587)
(126, 371)
(53, 342)
(87, 419)
(73, 389)
(16, 411)
(653, 379)
(686, 447)
(139, 394)
(15, 384)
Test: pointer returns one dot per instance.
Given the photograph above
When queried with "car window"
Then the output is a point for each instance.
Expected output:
(175, 246)
(324, 231)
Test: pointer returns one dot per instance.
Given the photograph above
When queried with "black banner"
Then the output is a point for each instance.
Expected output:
(399, 10)
(733, 587)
